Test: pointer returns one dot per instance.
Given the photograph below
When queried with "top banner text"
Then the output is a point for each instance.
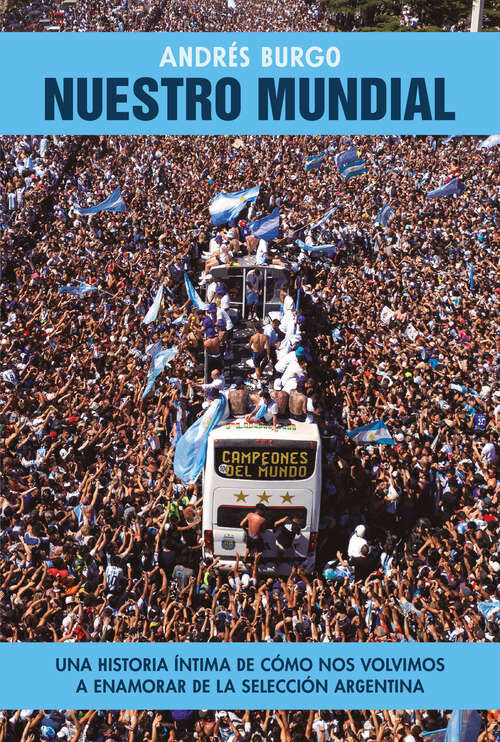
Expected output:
(249, 83)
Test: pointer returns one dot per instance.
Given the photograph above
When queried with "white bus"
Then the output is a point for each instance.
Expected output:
(248, 464)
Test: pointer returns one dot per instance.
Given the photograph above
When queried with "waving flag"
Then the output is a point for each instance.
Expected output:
(471, 276)
(464, 726)
(344, 158)
(490, 141)
(356, 167)
(376, 432)
(191, 449)
(226, 206)
(266, 228)
(153, 310)
(453, 186)
(158, 363)
(193, 294)
(313, 162)
(80, 290)
(448, 139)
(114, 202)
(231, 4)
(317, 249)
(385, 215)
(324, 218)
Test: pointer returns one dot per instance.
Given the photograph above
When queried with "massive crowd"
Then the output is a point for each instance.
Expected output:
(229, 726)
(98, 540)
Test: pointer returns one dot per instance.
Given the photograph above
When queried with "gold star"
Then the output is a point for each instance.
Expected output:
(264, 497)
(241, 497)
(287, 498)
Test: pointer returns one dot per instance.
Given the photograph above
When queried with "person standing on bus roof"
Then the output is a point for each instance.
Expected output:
(254, 523)
(261, 351)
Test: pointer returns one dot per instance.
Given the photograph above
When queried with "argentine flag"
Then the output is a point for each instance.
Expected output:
(356, 167)
(376, 432)
(226, 206)
(464, 726)
(114, 202)
(158, 363)
(191, 450)
(316, 249)
(490, 141)
(193, 294)
(452, 187)
(153, 310)
(268, 227)
(313, 162)
(385, 215)
(80, 290)
(324, 218)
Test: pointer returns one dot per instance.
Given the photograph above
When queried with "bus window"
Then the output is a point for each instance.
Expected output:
(250, 461)
(230, 516)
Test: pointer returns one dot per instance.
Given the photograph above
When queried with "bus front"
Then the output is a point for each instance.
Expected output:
(250, 464)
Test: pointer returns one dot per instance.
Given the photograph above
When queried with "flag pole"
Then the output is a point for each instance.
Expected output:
(477, 15)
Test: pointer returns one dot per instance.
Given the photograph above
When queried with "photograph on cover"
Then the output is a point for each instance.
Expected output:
(249, 726)
(250, 389)
(249, 15)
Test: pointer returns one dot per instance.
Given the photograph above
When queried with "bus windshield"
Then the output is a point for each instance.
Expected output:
(265, 461)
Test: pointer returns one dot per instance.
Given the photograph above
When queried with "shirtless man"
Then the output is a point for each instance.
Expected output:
(261, 351)
(238, 400)
(255, 524)
(213, 349)
(297, 403)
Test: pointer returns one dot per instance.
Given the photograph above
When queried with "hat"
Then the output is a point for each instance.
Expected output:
(277, 385)
(300, 351)
(220, 290)
(210, 332)
(212, 307)
(218, 239)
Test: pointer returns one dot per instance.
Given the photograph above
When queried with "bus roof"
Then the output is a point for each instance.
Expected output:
(239, 429)
(244, 261)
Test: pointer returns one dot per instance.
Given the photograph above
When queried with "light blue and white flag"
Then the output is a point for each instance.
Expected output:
(317, 249)
(471, 276)
(193, 294)
(385, 215)
(464, 726)
(153, 310)
(490, 141)
(114, 202)
(266, 228)
(452, 187)
(356, 167)
(344, 158)
(324, 218)
(231, 5)
(158, 363)
(191, 449)
(490, 610)
(226, 206)
(373, 433)
(448, 139)
(81, 290)
(313, 162)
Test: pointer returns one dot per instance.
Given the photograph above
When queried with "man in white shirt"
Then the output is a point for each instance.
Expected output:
(356, 542)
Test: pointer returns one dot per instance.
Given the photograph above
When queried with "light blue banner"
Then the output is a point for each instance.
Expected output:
(222, 83)
(231, 676)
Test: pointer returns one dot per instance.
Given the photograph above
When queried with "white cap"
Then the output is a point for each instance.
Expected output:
(360, 531)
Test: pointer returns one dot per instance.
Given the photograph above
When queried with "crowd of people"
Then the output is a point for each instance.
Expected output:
(98, 539)
(231, 726)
